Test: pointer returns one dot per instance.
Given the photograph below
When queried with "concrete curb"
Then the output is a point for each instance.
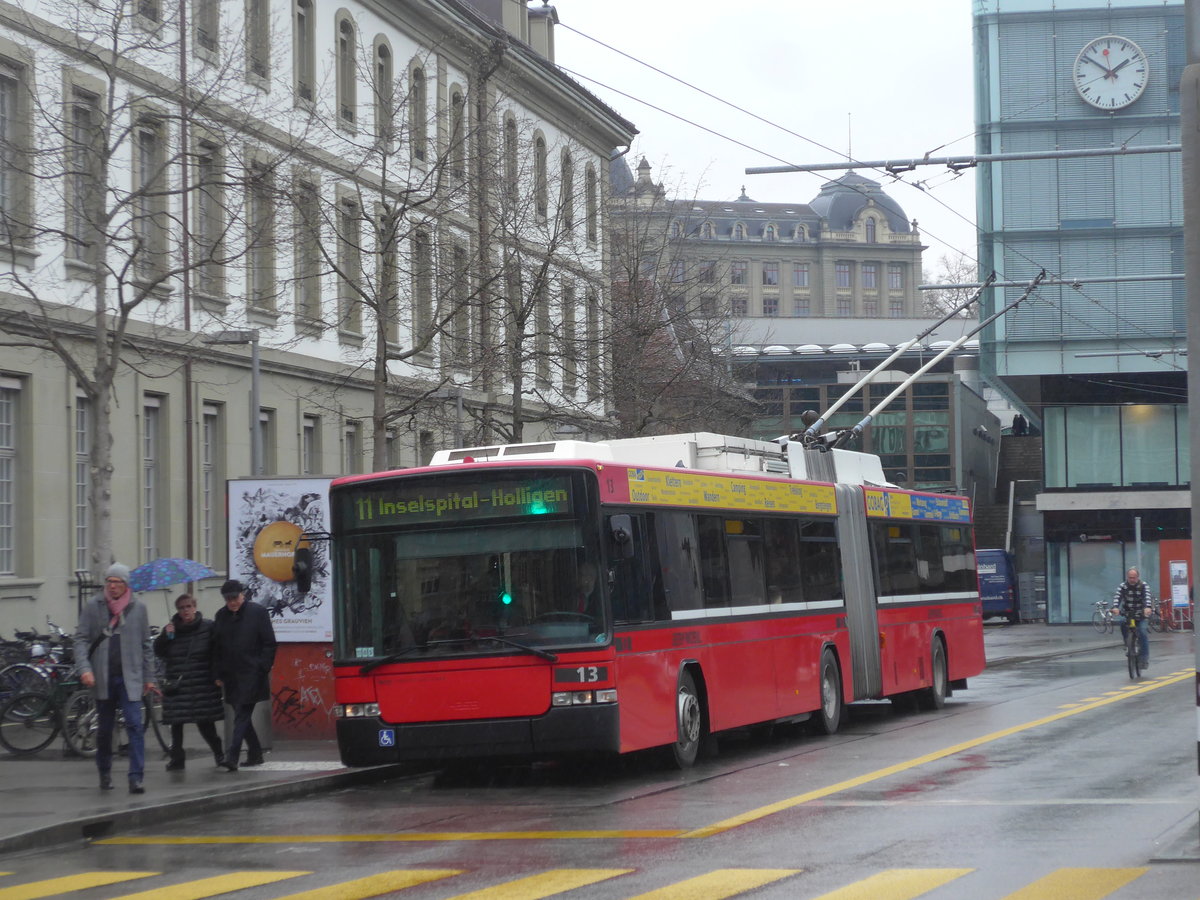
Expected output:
(106, 824)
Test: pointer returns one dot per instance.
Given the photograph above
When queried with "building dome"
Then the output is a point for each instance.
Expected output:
(842, 200)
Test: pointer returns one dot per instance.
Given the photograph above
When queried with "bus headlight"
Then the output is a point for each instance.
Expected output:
(356, 710)
(583, 698)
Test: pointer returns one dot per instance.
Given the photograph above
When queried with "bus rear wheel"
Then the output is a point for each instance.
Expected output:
(829, 718)
(934, 696)
(689, 722)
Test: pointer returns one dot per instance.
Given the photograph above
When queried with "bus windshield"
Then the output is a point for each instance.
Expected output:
(470, 558)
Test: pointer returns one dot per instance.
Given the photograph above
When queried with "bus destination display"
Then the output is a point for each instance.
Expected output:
(459, 501)
(922, 507)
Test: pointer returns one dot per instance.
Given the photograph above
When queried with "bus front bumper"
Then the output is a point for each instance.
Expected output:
(570, 731)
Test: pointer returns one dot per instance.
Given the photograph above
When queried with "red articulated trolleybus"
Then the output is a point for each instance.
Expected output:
(569, 598)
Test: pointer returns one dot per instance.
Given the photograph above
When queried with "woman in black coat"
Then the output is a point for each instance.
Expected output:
(190, 691)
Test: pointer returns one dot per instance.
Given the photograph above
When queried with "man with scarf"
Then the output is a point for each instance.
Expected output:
(115, 659)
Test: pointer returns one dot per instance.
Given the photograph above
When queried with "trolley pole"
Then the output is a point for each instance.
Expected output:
(1190, 132)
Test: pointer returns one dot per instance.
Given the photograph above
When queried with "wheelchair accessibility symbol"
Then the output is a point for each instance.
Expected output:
(387, 737)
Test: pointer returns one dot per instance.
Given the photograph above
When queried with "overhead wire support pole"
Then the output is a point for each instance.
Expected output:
(896, 166)
(846, 435)
(812, 429)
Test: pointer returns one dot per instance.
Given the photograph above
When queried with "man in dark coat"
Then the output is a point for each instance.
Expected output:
(243, 653)
(190, 692)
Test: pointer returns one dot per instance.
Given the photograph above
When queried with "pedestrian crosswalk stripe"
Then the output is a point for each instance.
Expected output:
(896, 884)
(1077, 884)
(374, 885)
(719, 883)
(544, 885)
(65, 884)
(211, 887)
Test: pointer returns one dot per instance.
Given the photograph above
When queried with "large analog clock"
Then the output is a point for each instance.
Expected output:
(1111, 72)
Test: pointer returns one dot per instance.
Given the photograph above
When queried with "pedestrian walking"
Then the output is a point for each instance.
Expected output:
(190, 692)
(114, 658)
(243, 654)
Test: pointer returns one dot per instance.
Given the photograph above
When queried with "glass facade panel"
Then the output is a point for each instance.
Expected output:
(1092, 433)
(1054, 447)
(1148, 446)
(1183, 445)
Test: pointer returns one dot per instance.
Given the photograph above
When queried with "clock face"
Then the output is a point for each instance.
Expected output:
(1111, 72)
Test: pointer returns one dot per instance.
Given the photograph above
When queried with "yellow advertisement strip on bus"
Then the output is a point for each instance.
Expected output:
(688, 489)
(883, 504)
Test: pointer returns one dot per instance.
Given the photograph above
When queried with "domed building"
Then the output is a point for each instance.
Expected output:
(849, 253)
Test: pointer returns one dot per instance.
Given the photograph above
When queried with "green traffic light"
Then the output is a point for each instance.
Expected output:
(506, 598)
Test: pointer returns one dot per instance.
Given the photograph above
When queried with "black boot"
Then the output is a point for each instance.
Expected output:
(176, 762)
(106, 781)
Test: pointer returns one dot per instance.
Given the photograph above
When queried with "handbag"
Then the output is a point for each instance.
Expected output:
(172, 684)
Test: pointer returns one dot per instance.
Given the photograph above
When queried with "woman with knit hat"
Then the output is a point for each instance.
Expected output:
(114, 657)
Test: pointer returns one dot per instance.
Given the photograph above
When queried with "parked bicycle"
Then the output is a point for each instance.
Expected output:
(1104, 619)
(31, 720)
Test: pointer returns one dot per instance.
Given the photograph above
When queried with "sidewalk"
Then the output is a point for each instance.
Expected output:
(49, 799)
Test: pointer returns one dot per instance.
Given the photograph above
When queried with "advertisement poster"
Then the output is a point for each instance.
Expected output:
(267, 518)
(1179, 583)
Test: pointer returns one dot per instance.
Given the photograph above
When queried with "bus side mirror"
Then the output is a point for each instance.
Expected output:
(302, 569)
(621, 529)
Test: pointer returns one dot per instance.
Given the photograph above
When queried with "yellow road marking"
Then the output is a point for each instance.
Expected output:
(896, 884)
(210, 887)
(1077, 884)
(762, 812)
(705, 831)
(544, 885)
(718, 883)
(67, 883)
(374, 885)
(396, 837)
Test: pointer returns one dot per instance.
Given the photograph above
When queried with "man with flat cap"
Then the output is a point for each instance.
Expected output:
(243, 653)
(114, 657)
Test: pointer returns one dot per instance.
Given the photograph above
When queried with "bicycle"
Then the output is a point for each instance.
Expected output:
(30, 720)
(1162, 617)
(1132, 653)
(1103, 619)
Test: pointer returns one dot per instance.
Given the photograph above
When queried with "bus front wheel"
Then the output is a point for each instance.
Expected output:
(829, 719)
(688, 722)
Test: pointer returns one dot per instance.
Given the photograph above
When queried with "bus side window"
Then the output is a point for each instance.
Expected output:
(632, 587)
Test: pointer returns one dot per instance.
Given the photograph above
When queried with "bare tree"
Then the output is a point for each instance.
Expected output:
(670, 334)
(956, 269)
(120, 176)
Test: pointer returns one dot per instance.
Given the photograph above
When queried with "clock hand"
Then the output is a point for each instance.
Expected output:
(1094, 61)
(1122, 64)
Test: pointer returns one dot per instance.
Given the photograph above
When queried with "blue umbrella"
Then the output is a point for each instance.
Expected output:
(168, 570)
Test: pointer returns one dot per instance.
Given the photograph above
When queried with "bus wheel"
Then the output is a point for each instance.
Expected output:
(934, 696)
(830, 718)
(688, 722)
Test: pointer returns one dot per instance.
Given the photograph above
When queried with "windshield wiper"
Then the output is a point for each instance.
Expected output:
(536, 651)
(393, 657)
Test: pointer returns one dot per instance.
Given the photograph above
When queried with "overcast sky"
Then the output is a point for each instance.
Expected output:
(883, 79)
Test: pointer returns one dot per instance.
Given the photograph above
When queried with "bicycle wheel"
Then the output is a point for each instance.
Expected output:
(1155, 622)
(1100, 622)
(80, 720)
(28, 722)
(1131, 653)
(152, 710)
(21, 677)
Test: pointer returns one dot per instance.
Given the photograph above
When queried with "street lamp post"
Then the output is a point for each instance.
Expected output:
(247, 336)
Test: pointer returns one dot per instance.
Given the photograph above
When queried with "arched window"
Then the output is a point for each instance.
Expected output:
(676, 229)
(567, 188)
(418, 122)
(304, 52)
(346, 81)
(739, 232)
(511, 178)
(458, 155)
(540, 187)
(592, 202)
(770, 233)
(870, 229)
(801, 233)
(706, 231)
(384, 98)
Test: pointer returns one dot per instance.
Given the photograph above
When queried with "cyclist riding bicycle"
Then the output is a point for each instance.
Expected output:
(1132, 599)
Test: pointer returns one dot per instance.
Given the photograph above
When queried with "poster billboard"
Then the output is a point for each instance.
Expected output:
(267, 517)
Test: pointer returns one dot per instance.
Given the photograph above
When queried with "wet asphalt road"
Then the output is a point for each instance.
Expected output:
(1041, 768)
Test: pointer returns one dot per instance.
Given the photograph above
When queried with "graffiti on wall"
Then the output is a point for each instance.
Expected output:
(302, 692)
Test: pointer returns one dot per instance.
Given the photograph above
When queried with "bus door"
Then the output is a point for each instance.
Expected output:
(862, 617)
